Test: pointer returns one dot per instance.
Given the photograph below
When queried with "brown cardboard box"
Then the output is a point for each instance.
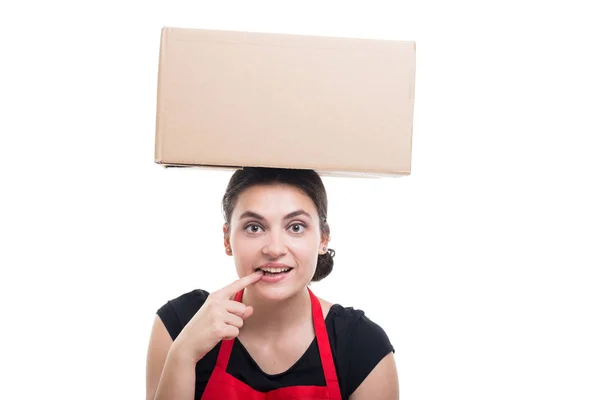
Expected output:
(341, 106)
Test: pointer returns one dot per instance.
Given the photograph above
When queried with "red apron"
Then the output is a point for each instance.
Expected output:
(223, 386)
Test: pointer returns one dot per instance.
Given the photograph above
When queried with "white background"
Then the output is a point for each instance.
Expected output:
(482, 266)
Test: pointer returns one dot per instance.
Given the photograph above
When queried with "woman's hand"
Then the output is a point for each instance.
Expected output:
(219, 318)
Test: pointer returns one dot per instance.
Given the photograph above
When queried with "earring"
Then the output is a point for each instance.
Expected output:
(228, 249)
(324, 248)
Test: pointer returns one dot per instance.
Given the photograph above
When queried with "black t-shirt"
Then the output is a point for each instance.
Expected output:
(357, 344)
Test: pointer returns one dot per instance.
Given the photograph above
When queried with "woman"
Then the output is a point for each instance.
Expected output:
(266, 335)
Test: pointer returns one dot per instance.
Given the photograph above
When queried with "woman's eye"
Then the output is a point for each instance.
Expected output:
(253, 228)
(297, 228)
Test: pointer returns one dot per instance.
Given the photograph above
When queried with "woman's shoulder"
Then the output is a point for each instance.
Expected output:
(351, 320)
(178, 311)
(350, 323)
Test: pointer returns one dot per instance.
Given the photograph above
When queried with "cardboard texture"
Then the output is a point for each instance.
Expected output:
(340, 106)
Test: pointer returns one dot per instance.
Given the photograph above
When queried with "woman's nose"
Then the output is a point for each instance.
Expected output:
(275, 245)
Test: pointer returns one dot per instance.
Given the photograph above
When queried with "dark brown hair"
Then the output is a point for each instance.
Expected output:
(304, 179)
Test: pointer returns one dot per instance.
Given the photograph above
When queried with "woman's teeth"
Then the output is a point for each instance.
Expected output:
(273, 271)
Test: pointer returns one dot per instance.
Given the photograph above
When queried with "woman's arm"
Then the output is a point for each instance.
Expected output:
(381, 383)
(169, 374)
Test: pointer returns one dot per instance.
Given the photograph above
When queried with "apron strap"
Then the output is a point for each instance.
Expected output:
(325, 348)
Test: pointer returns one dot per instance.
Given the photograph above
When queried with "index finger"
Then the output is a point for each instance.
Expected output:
(241, 283)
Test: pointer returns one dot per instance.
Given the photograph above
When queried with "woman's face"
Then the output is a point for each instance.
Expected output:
(279, 225)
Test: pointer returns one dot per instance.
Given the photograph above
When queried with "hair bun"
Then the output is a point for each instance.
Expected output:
(324, 265)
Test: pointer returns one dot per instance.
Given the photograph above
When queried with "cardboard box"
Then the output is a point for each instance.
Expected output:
(341, 106)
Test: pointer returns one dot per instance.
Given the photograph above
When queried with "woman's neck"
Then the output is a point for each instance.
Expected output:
(271, 319)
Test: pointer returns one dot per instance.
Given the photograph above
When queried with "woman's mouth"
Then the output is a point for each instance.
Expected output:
(274, 275)
(274, 271)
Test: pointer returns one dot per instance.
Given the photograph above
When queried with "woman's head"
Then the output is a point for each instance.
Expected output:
(277, 215)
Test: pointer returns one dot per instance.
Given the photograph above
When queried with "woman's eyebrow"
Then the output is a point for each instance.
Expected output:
(252, 214)
(297, 213)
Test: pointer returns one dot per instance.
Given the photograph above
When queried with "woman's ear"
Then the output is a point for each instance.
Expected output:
(324, 244)
(226, 241)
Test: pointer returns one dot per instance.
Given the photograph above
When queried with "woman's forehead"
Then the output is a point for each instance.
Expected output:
(273, 200)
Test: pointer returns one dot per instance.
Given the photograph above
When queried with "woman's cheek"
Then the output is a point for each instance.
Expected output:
(302, 248)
